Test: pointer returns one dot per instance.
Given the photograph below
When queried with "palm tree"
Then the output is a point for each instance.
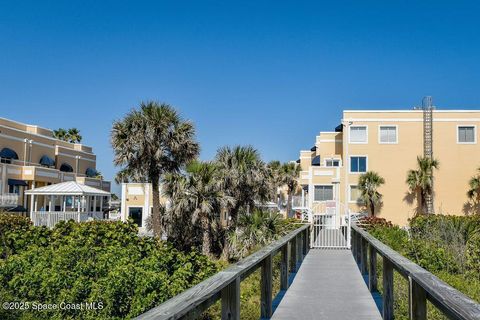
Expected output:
(244, 177)
(420, 183)
(73, 135)
(368, 184)
(275, 179)
(290, 173)
(60, 134)
(151, 142)
(473, 192)
(202, 196)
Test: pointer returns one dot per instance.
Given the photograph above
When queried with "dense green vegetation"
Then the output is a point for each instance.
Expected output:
(103, 262)
(447, 246)
(108, 263)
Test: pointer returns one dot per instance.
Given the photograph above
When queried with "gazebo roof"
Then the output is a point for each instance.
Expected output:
(70, 188)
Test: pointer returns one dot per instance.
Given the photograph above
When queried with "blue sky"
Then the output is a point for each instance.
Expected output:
(267, 73)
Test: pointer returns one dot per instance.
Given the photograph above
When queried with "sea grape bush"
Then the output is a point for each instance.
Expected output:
(97, 261)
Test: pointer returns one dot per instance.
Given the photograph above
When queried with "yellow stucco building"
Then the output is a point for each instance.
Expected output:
(30, 157)
(388, 142)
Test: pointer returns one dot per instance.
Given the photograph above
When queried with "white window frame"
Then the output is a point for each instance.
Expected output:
(332, 159)
(388, 126)
(350, 193)
(474, 126)
(350, 163)
(323, 185)
(350, 134)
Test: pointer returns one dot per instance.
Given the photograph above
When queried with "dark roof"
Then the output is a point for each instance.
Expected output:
(316, 161)
(314, 148)
(298, 161)
(18, 209)
(339, 128)
(47, 161)
(8, 153)
(16, 182)
(91, 172)
(65, 167)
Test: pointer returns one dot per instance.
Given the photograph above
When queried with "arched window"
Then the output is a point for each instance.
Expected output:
(91, 172)
(65, 167)
(47, 161)
(7, 155)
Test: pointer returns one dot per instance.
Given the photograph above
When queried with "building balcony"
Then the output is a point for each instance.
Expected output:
(9, 200)
(36, 172)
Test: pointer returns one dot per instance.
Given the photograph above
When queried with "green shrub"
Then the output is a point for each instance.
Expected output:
(17, 233)
(98, 262)
(473, 256)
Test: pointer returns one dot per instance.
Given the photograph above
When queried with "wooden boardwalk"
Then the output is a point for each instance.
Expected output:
(328, 285)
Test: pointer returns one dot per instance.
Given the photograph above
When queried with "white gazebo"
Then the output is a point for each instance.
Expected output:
(66, 201)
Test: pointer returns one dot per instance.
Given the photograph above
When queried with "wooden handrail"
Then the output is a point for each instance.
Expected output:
(423, 285)
(225, 285)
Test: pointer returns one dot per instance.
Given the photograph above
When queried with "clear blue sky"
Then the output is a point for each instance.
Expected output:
(267, 73)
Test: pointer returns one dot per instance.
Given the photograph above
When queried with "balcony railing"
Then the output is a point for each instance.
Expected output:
(9, 200)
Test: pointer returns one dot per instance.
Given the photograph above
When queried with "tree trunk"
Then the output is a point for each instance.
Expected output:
(156, 219)
(289, 202)
(372, 208)
(206, 240)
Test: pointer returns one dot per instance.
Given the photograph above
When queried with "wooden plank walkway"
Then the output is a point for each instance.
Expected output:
(328, 285)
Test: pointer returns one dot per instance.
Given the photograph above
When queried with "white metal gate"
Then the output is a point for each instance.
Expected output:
(330, 231)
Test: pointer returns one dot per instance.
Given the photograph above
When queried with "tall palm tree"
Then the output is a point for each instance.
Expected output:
(290, 173)
(275, 179)
(244, 177)
(73, 135)
(420, 183)
(149, 143)
(368, 184)
(203, 197)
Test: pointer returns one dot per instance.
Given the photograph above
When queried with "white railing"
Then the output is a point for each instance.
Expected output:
(328, 232)
(9, 200)
(299, 202)
(50, 219)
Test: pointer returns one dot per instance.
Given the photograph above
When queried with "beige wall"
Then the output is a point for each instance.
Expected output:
(458, 162)
(40, 142)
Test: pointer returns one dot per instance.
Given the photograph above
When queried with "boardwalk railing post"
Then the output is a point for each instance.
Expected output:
(266, 294)
(363, 259)
(231, 301)
(284, 268)
(387, 289)
(302, 249)
(417, 301)
(293, 254)
(299, 248)
(372, 270)
(354, 243)
(305, 242)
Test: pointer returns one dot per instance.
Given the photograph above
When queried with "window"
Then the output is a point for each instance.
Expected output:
(388, 134)
(355, 194)
(358, 164)
(466, 134)
(135, 213)
(323, 193)
(332, 163)
(358, 134)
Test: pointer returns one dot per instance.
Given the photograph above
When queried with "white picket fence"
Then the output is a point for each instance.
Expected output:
(50, 219)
